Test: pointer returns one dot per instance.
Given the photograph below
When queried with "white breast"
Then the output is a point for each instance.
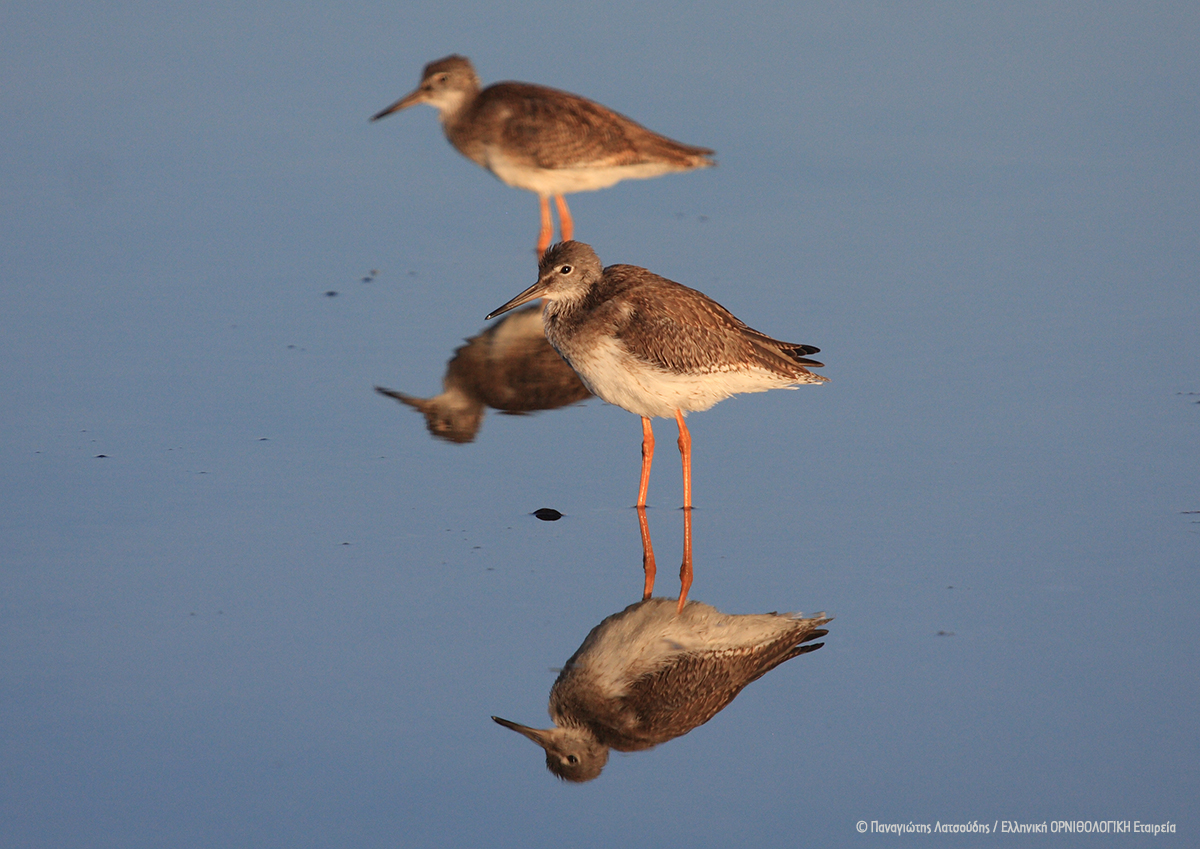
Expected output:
(548, 181)
(614, 375)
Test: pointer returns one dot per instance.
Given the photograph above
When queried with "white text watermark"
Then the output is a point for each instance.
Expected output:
(1018, 827)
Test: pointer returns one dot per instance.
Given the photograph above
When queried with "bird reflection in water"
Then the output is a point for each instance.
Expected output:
(509, 367)
(655, 671)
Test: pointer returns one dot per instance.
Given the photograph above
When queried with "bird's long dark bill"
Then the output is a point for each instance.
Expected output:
(403, 103)
(532, 733)
(419, 403)
(532, 293)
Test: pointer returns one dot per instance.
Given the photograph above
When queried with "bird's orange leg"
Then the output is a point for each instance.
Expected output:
(685, 570)
(547, 226)
(647, 457)
(565, 224)
(685, 452)
(647, 554)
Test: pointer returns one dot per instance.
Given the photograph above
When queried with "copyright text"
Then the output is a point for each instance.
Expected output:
(1018, 827)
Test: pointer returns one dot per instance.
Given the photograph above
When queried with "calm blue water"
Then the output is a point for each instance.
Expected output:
(247, 601)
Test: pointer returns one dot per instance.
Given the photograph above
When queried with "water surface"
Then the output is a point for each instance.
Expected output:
(245, 600)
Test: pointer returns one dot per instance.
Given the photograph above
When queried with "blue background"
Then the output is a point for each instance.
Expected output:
(277, 613)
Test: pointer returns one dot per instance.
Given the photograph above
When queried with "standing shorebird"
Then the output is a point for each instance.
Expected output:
(650, 674)
(543, 140)
(654, 347)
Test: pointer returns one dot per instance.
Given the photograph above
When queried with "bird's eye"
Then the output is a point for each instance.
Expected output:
(572, 759)
(566, 269)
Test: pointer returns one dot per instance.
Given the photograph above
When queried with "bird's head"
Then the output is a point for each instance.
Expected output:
(445, 85)
(565, 273)
(456, 415)
(573, 754)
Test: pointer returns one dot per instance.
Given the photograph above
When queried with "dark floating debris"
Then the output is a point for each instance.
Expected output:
(332, 293)
(547, 514)
(945, 633)
(105, 457)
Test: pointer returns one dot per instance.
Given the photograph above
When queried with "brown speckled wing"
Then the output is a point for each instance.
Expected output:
(556, 129)
(692, 690)
(679, 329)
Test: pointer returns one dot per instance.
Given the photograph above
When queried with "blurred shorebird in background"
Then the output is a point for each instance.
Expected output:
(543, 140)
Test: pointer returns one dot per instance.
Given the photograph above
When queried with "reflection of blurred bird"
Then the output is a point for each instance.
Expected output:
(648, 674)
(654, 347)
(510, 367)
(543, 140)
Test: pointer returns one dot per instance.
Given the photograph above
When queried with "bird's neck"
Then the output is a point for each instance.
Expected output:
(452, 107)
(559, 317)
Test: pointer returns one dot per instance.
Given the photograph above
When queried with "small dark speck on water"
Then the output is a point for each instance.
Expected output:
(332, 293)
(547, 514)
(945, 633)
(100, 456)
(264, 439)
